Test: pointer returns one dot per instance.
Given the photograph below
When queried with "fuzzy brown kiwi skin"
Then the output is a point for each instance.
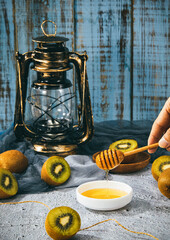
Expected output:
(4, 195)
(45, 176)
(156, 177)
(164, 183)
(14, 161)
(47, 227)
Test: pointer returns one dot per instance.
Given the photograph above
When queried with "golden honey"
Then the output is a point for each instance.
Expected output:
(104, 193)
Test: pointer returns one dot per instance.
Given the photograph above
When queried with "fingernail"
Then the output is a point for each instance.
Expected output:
(151, 150)
(163, 143)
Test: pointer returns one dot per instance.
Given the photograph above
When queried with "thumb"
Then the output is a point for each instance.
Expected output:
(164, 142)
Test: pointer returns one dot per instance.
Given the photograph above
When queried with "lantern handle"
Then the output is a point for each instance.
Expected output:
(86, 116)
(46, 34)
(23, 63)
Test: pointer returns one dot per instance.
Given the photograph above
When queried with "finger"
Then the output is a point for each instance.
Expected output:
(161, 124)
(165, 140)
(167, 136)
(155, 135)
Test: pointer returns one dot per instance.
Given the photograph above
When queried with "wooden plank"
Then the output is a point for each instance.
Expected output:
(20, 22)
(30, 16)
(103, 30)
(151, 58)
(7, 66)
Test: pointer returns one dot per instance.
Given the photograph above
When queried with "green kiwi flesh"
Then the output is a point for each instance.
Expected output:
(124, 145)
(58, 169)
(62, 222)
(159, 165)
(8, 184)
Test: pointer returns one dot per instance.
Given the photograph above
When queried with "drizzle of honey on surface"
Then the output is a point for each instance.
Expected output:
(104, 193)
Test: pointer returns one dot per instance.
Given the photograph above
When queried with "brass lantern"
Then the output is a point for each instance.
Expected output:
(52, 114)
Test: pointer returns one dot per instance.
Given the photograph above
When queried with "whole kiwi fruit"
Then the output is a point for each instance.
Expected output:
(8, 184)
(13, 160)
(164, 183)
(62, 223)
(159, 165)
(55, 171)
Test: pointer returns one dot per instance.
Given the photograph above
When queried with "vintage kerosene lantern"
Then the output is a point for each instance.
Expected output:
(54, 114)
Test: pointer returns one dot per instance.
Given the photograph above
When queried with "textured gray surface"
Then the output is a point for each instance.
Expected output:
(148, 212)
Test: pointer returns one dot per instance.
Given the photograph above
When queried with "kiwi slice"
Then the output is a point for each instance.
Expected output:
(62, 223)
(8, 184)
(164, 183)
(159, 165)
(55, 171)
(124, 145)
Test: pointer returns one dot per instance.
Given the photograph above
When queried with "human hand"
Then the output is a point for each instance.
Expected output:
(160, 131)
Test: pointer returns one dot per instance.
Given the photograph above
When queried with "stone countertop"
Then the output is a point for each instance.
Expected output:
(148, 212)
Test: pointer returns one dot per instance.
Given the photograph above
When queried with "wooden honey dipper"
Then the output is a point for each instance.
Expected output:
(111, 158)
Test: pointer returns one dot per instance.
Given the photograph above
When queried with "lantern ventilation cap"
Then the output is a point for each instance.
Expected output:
(49, 38)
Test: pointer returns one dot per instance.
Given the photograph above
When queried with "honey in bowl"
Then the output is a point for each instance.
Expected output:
(104, 193)
(104, 202)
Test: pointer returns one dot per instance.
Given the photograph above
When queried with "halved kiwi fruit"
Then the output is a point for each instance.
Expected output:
(8, 184)
(164, 183)
(62, 223)
(55, 171)
(125, 145)
(13, 160)
(159, 165)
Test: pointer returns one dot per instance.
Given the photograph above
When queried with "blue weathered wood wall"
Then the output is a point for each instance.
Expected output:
(127, 42)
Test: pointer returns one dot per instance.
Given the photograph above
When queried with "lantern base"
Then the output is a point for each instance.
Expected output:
(61, 150)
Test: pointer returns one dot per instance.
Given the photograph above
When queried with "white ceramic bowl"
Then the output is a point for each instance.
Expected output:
(104, 204)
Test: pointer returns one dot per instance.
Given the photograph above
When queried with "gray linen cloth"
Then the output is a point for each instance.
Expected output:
(83, 168)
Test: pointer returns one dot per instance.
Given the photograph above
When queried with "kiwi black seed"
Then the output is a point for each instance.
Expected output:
(8, 184)
(6, 181)
(62, 223)
(122, 146)
(163, 165)
(55, 171)
(61, 169)
(64, 227)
